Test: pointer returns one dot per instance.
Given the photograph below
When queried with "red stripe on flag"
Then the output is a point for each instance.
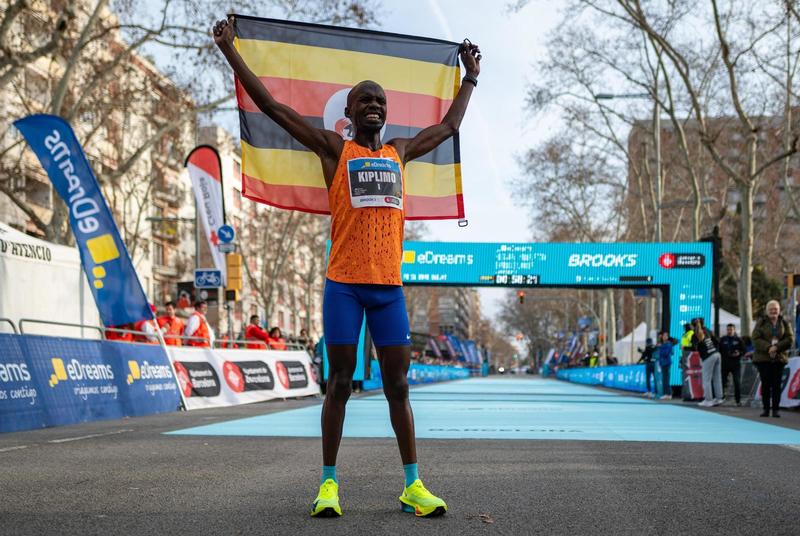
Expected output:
(420, 207)
(206, 159)
(304, 198)
(309, 99)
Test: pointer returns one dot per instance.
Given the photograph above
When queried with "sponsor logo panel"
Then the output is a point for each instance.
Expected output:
(668, 261)
(248, 376)
(292, 374)
(197, 379)
(603, 260)
(15, 383)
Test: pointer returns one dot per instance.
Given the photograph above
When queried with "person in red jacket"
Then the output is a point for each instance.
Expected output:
(148, 327)
(276, 340)
(198, 328)
(118, 336)
(253, 332)
(171, 325)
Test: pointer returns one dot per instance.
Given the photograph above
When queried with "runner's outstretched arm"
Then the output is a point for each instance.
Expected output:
(429, 138)
(325, 143)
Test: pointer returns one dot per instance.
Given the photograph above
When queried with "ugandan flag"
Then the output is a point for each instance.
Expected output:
(311, 68)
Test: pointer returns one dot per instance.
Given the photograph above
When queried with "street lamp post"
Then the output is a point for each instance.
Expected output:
(657, 150)
(656, 143)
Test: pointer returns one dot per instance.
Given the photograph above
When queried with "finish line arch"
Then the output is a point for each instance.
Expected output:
(683, 271)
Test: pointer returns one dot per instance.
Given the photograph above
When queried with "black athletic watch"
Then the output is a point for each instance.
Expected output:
(469, 78)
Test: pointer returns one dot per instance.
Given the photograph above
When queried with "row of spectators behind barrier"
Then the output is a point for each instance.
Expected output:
(196, 331)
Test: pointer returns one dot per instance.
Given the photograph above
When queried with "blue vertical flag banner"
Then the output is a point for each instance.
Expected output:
(112, 277)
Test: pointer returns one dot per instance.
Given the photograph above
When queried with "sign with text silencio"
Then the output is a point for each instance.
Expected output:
(684, 268)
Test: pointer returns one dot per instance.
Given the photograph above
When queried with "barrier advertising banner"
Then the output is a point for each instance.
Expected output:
(104, 256)
(790, 385)
(627, 377)
(216, 378)
(52, 381)
(418, 373)
(205, 171)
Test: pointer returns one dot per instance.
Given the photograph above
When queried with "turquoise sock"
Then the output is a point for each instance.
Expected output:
(328, 471)
(412, 473)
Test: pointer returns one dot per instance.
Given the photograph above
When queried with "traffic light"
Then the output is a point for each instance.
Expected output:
(521, 296)
(792, 280)
(233, 264)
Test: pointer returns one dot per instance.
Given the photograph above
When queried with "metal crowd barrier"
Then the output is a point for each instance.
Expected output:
(23, 321)
(10, 323)
(224, 343)
(218, 343)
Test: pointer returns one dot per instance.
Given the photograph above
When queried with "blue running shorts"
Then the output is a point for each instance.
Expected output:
(344, 305)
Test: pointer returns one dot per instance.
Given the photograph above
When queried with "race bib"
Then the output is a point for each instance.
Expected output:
(375, 182)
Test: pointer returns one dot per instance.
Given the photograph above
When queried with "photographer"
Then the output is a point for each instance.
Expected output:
(708, 347)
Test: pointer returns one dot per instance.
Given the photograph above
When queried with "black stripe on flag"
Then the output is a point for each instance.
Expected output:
(355, 40)
(260, 131)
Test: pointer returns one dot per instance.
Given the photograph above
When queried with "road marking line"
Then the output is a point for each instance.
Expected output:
(66, 439)
(9, 449)
(792, 447)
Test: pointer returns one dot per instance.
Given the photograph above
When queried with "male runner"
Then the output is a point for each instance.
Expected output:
(366, 253)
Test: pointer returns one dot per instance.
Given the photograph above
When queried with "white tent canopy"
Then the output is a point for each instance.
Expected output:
(625, 348)
(43, 281)
(726, 318)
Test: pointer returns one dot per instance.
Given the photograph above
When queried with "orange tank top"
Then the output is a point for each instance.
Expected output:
(367, 214)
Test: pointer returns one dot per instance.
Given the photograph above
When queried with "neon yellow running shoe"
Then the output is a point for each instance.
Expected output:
(327, 502)
(418, 500)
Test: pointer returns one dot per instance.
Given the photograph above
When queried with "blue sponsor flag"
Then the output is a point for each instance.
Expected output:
(116, 288)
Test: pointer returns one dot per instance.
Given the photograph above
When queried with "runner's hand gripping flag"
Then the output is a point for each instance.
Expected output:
(311, 68)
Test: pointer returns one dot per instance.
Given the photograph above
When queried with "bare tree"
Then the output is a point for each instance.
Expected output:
(738, 32)
(92, 64)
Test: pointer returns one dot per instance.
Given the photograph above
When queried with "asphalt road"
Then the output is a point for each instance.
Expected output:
(127, 477)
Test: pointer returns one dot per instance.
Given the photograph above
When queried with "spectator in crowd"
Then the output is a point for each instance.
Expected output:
(113, 335)
(148, 329)
(595, 357)
(708, 347)
(648, 358)
(666, 348)
(226, 342)
(253, 332)
(306, 341)
(686, 343)
(732, 349)
(197, 327)
(773, 338)
(171, 325)
(276, 340)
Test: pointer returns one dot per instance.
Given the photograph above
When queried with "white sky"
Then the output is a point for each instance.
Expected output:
(495, 129)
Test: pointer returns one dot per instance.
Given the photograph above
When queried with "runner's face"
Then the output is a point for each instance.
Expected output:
(730, 331)
(368, 108)
(170, 310)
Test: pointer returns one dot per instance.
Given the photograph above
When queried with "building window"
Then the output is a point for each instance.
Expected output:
(158, 253)
(237, 199)
(281, 321)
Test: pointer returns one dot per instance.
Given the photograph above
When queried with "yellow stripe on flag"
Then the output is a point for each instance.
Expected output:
(303, 62)
(284, 167)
